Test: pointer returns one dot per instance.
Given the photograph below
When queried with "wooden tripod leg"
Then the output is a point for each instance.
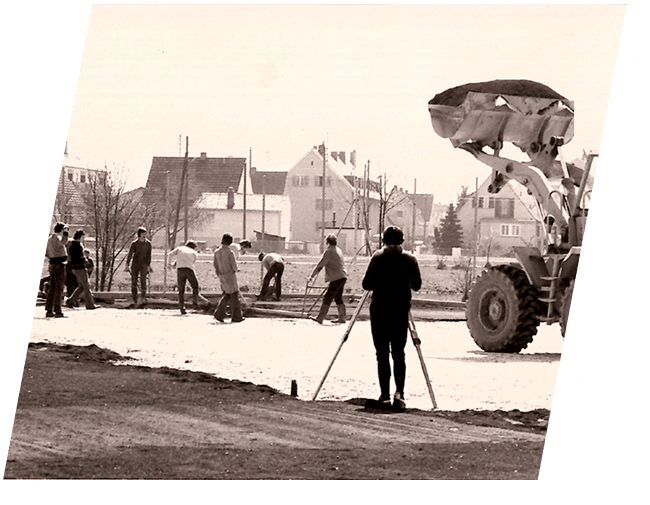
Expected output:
(416, 343)
(355, 315)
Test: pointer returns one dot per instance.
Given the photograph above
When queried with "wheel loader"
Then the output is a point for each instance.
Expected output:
(506, 303)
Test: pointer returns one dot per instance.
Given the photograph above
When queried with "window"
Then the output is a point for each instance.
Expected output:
(318, 181)
(509, 230)
(300, 180)
(328, 204)
(70, 176)
(399, 213)
(480, 202)
(491, 202)
(504, 207)
(82, 178)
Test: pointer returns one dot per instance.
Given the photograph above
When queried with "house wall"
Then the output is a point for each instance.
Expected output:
(501, 233)
(303, 189)
(218, 222)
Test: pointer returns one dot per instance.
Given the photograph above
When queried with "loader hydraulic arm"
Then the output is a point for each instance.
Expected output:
(530, 177)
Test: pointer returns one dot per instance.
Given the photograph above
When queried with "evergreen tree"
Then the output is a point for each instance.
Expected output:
(450, 233)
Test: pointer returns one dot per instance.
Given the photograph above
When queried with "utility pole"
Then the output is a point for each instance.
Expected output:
(355, 215)
(167, 212)
(180, 192)
(475, 228)
(415, 188)
(250, 164)
(263, 223)
(186, 227)
(366, 207)
(382, 206)
(322, 226)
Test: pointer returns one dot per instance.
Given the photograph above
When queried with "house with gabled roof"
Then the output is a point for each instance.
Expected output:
(267, 182)
(204, 175)
(74, 184)
(503, 220)
(304, 186)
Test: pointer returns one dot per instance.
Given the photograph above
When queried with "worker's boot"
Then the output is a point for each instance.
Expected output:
(341, 311)
(321, 313)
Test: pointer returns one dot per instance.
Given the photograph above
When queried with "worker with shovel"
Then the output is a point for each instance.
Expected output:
(391, 275)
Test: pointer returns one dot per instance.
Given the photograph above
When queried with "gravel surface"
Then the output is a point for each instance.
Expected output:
(276, 351)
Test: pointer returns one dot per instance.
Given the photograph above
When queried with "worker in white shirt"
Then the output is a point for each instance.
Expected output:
(274, 264)
(185, 261)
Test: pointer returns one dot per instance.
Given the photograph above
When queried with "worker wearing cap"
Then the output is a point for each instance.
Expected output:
(274, 265)
(391, 275)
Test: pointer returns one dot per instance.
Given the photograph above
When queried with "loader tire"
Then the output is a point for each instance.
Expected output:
(503, 310)
(566, 306)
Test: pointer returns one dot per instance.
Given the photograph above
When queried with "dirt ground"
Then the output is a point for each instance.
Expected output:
(81, 417)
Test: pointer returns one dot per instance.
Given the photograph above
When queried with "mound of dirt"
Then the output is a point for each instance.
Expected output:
(85, 353)
(532, 420)
(454, 97)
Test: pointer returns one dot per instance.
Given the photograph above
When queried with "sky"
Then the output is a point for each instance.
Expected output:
(273, 81)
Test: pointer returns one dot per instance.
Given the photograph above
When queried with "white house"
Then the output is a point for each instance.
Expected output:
(508, 218)
(224, 212)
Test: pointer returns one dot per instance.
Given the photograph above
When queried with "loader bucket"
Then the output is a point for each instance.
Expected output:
(491, 113)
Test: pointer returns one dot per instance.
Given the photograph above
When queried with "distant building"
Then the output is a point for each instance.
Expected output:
(224, 212)
(70, 205)
(508, 218)
(167, 204)
(270, 183)
(204, 175)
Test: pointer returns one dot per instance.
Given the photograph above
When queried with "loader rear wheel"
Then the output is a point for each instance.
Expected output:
(566, 306)
(503, 310)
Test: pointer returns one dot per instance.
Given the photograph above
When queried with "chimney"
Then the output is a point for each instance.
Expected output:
(353, 158)
(231, 198)
(204, 156)
(342, 156)
(334, 155)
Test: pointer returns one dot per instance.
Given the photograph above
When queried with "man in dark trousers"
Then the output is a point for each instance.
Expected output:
(138, 264)
(57, 255)
(335, 273)
(391, 275)
(77, 261)
(274, 264)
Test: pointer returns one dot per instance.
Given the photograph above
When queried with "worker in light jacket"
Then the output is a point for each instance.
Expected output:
(333, 263)
(225, 266)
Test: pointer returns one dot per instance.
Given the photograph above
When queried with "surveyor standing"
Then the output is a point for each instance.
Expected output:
(274, 264)
(225, 266)
(391, 275)
(335, 274)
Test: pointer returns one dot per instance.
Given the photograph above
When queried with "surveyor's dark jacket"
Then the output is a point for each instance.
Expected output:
(391, 275)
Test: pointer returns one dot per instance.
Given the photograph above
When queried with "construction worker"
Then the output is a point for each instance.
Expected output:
(335, 274)
(274, 264)
(391, 275)
(138, 264)
(57, 255)
(225, 266)
(185, 257)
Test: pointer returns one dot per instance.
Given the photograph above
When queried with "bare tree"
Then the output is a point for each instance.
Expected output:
(114, 215)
